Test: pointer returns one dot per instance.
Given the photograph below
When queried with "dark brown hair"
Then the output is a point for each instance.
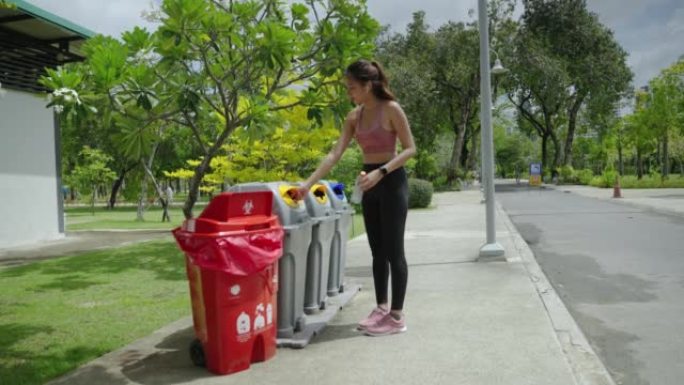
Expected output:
(365, 71)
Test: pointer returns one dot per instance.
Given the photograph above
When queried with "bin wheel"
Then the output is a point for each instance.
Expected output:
(197, 353)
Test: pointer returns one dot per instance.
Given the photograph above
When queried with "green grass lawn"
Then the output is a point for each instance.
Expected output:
(124, 218)
(121, 218)
(358, 226)
(56, 315)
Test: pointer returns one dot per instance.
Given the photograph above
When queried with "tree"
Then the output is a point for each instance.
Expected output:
(458, 81)
(457, 75)
(513, 150)
(656, 125)
(233, 62)
(640, 131)
(408, 60)
(289, 151)
(125, 105)
(92, 173)
(537, 91)
(665, 108)
(595, 64)
(566, 63)
(436, 78)
(214, 67)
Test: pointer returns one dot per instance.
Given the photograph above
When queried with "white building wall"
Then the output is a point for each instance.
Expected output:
(29, 206)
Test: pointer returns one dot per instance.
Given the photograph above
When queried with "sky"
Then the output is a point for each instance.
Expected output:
(650, 31)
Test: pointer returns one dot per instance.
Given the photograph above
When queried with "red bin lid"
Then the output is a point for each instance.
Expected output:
(236, 233)
(235, 211)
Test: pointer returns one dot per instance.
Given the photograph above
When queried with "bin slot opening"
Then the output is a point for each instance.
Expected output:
(289, 194)
(318, 192)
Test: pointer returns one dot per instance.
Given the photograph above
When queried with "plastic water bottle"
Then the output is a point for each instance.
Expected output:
(357, 193)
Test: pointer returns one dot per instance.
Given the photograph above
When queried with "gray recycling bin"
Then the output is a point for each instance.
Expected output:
(323, 217)
(292, 266)
(338, 251)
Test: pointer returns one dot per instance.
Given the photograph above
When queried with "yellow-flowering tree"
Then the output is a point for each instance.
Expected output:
(290, 151)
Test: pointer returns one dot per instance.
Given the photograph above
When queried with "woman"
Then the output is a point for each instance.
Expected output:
(376, 124)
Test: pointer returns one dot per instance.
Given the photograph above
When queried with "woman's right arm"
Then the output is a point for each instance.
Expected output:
(336, 153)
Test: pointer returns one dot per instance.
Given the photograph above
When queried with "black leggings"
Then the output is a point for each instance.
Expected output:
(384, 213)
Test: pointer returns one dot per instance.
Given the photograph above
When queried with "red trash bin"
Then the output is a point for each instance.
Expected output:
(232, 250)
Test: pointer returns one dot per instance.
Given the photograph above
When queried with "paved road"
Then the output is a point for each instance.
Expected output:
(619, 270)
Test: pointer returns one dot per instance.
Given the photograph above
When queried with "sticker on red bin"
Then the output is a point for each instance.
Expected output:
(244, 325)
(259, 319)
(248, 207)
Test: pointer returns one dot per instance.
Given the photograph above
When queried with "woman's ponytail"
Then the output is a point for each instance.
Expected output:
(371, 71)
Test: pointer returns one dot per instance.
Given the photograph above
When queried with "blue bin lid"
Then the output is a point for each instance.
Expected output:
(338, 189)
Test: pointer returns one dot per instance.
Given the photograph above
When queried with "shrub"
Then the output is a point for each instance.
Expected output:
(440, 183)
(605, 180)
(597, 181)
(674, 182)
(609, 177)
(420, 193)
(567, 175)
(585, 176)
(425, 165)
(648, 181)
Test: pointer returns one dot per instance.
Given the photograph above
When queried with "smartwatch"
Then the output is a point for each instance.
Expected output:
(383, 170)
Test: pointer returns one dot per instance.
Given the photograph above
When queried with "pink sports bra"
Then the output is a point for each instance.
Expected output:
(375, 139)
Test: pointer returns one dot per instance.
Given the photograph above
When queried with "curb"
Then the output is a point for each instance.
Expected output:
(587, 368)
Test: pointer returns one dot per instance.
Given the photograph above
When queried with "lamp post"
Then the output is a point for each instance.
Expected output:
(491, 248)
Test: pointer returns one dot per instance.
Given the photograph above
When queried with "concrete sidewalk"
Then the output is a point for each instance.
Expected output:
(662, 200)
(469, 322)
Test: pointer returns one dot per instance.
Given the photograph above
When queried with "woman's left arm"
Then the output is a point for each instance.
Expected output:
(400, 124)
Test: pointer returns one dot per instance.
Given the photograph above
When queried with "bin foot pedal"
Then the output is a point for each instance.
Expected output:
(315, 323)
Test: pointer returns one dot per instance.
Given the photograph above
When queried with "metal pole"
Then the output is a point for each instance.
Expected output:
(491, 248)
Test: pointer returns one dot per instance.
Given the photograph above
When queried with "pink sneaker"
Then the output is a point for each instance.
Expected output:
(375, 316)
(386, 326)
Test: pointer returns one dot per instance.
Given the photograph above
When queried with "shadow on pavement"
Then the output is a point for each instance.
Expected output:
(172, 365)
